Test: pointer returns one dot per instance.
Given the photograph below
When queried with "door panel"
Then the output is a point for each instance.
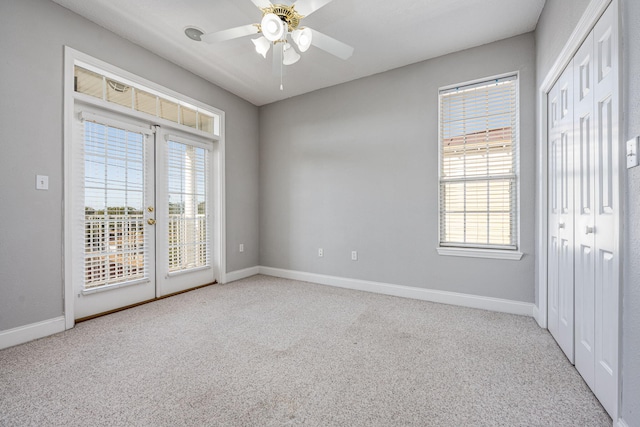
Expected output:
(185, 182)
(584, 216)
(561, 214)
(607, 228)
(605, 148)
(116, 262)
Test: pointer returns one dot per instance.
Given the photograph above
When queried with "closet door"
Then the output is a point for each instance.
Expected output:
(561, 215)
(584, 205)
(554, 209)
(585, 160)
(607, 193)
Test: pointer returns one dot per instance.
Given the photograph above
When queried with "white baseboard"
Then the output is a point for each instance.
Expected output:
(241, 274)
(622, 423)
(444, 297)
(33, 331)
(540, 319)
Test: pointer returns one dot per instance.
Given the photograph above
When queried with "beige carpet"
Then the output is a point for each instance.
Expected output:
(274, 352)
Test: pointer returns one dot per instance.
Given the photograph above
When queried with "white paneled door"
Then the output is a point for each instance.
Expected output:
(606, 223)
(585, 203)
(561, 213)
(590, 167)
(141, 213)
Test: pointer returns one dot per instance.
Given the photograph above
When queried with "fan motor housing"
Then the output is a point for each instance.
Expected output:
(286, 13)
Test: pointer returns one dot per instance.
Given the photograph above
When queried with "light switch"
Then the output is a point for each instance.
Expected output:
(42, 182)
(632, 152)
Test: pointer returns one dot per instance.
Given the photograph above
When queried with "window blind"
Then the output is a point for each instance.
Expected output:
(187, 171)
(478, 165)
(114, 193)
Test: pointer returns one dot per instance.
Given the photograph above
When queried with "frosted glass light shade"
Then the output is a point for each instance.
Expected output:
(262, 46)
(290, 56)
(272, 27)
(302, 38)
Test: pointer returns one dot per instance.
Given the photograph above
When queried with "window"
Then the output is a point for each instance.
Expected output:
(95, 83)
(114, 197)
(478, 165)
(187, 171)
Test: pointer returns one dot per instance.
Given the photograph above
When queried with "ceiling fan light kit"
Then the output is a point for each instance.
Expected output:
(302, 38)
(262, 46)
(273, 28)
(278, 22)
(290, 56)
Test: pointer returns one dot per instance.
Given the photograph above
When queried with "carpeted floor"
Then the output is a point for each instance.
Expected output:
(274, 352)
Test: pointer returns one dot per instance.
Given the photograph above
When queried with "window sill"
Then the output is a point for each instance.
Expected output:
(481, 253)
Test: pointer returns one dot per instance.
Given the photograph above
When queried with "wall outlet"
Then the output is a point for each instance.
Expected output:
(241, 247)
(354, 255)
(320, 252)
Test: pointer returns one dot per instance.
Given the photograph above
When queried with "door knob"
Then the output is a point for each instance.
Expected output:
(150, 208)
(588, 230)
(151, 221)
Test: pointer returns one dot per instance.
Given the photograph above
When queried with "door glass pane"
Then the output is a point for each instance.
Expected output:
(114, 201)
(188, 206)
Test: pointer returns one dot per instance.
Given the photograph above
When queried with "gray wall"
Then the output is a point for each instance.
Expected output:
(631, 289)
(354, 167)
(32, 36)
(558, 20)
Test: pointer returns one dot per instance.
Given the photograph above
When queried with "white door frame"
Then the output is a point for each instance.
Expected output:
(592, 14)
(217, 163)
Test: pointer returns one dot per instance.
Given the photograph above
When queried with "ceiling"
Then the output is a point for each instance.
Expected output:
(386, 34)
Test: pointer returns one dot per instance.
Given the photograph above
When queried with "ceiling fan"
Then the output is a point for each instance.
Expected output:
(281, 23)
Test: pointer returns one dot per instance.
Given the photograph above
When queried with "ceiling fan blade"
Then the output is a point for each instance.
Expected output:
(307, 7)
(331, 45)
(231, 33)
(261, 4)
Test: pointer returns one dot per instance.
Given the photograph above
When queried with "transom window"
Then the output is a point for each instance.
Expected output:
(115, 90)
(478, 165)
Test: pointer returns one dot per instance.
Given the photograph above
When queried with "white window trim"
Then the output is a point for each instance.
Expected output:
(71, 58)
(480, 253)
(492, 253)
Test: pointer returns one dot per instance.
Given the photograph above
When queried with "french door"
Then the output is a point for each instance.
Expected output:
(142, 213)
(184, 222)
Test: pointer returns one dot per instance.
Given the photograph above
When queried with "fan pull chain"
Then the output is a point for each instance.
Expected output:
(281, 66)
